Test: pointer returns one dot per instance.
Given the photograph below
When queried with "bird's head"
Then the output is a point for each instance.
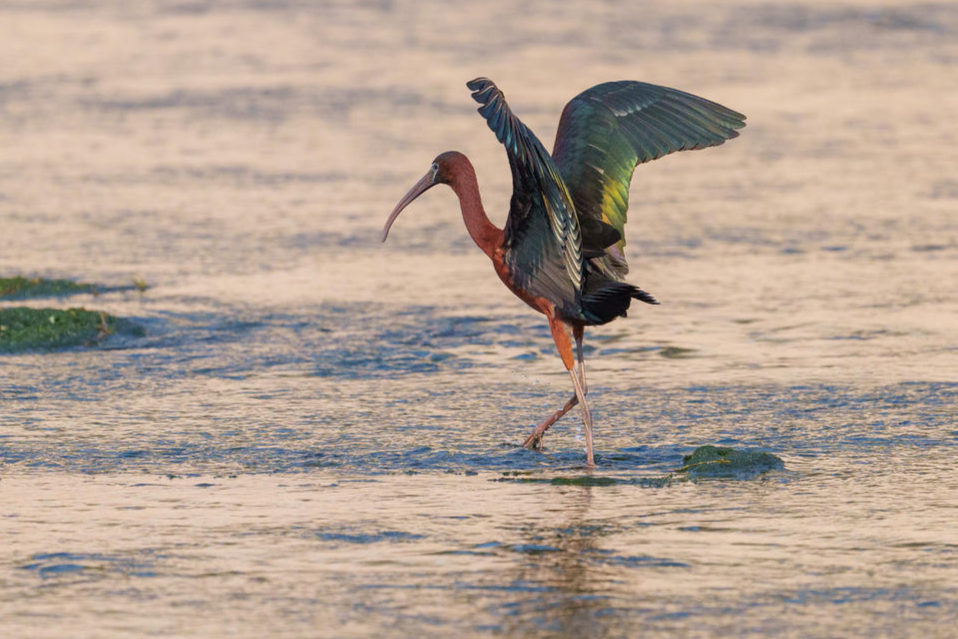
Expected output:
(443, 169)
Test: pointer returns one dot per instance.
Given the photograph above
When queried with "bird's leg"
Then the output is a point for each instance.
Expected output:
(586, 416)
(534, 440)
(578, 331)
(562, 333)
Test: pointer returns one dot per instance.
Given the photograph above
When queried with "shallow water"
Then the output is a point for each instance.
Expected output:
(318, 436)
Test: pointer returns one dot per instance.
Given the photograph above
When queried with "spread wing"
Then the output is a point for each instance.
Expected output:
(542, 232)
(607, 130)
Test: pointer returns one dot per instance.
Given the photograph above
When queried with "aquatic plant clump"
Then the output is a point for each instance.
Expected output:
(22, 287)
(33, 328)
(716, 461)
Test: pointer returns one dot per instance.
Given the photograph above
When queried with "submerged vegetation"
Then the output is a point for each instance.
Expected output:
(705, 461)
(18, 288)
(46, 328)
(24, 328)
(716, 461)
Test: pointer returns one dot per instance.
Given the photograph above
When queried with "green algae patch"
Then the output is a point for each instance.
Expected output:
(533, 477)
(584, 480)
(33, 328)
(676, 352)
(716, 461)
(588, 480)
(704, 462)
(18, 288)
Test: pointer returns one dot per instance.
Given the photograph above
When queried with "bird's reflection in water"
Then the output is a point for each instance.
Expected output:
(565, 587)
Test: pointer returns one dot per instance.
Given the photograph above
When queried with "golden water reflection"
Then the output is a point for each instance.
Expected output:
(470, 553)
(310, 439)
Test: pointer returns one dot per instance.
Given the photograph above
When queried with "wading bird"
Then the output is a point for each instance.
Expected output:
(561, 251)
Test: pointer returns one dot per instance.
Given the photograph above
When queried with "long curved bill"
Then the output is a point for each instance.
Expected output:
(420, 187)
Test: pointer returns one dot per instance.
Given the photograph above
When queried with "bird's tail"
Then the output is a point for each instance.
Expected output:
(643, 296)
(602, 304)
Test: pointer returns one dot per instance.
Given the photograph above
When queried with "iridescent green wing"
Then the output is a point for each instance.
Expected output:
(542, 232)
(607, 130)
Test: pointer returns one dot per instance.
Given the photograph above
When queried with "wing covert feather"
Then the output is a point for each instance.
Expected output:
(606, 131)
(542, 231)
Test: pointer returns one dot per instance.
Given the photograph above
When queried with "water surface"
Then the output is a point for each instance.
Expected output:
(318, 435)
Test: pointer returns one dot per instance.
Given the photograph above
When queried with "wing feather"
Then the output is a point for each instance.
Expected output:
(606, 131)
(542, 231)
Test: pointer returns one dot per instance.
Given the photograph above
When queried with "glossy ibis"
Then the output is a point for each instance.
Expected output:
(561, 251)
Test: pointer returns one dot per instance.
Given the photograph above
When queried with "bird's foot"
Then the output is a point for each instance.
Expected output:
(534, 441)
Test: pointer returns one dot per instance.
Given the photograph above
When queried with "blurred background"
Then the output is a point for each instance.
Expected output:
(310, 437)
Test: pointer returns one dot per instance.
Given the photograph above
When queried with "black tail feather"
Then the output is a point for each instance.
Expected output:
(642, 296)
(609, 300)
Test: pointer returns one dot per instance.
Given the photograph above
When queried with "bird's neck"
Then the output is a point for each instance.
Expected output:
(484, 233)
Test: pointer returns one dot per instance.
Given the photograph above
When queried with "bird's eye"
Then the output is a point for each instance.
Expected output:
(435, 169)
